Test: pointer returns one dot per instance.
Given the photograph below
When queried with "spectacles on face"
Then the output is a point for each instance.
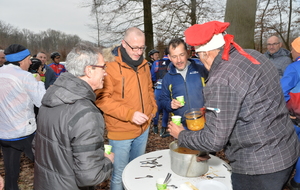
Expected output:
(135, 49)
(100, 66)
(275, 44)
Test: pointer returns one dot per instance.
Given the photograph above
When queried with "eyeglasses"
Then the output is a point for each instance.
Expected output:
(100, 66)
(135, 49)
(273, 44)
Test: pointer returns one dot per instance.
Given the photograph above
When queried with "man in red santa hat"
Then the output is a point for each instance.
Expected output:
(253, 125)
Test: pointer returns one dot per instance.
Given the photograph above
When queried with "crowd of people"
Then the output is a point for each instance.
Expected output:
(57, 114)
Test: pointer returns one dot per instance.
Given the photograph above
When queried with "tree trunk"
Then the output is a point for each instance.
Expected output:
(193, 12)
(148, 26)
(241, 16)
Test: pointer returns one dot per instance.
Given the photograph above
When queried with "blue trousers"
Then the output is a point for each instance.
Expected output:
(125, 151)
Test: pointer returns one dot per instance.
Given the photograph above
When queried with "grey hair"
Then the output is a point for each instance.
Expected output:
(2, 50)
(81, 55)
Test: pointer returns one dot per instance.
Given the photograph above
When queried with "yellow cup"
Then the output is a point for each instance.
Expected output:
(180, 99)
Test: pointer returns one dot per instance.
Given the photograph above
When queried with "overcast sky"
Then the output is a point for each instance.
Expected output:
(39, 15)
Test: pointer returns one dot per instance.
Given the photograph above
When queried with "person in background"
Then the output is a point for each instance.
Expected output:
(278, 55)
(69, 142)
(47, 71)
(1, 183)
(158, 70)
(127, 101)
(253, 125)
(290, 83)
(2, 57)
(153, 55)
(56, 66)
(20, 91)
(184, 78)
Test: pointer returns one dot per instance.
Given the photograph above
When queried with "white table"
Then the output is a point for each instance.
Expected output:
(133, 169)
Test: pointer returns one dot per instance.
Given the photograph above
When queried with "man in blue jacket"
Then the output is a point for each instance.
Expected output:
(184, 78)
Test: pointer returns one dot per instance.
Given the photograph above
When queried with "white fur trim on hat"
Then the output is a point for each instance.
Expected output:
(216, 42)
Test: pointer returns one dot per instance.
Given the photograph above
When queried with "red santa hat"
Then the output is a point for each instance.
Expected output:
(209, 36)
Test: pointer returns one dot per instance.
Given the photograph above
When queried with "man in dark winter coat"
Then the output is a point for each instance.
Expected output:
(279, 56)
(69, 143)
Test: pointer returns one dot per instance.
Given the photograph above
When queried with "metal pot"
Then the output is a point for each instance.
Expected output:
(186, 165)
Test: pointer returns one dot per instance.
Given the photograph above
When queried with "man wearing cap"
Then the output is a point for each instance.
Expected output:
(56, 66)
(154, 56)
(290, 83)
(20, 91)
(253, 125)
(278, 55)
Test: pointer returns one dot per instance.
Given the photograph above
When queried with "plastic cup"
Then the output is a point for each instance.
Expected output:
(107, 148)
(180, 99)
(160, 185)
(176, 119)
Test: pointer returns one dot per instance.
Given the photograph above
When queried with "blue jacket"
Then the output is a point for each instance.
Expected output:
(158, 70)
(173, 85)
(290, 83)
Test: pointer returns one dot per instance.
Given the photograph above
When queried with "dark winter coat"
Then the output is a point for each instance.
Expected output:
(69, 151)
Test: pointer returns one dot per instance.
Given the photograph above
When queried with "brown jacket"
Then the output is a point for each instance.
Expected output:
(126, 91)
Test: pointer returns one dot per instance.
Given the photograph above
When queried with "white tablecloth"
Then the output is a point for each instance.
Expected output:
(133, 169)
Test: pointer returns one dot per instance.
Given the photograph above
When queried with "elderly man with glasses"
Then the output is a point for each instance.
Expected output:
(278, 55)
(127, 101)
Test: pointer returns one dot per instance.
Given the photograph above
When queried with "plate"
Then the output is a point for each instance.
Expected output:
(211, 185)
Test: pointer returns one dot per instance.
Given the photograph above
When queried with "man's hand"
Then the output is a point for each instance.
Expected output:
(110, 156)
(38, 77)
(203, 157)
(175, 129)
(175, 104)
(139, 118)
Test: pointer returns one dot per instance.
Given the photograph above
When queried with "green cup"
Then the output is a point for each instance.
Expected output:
(160, 185)
(176, 119)
(180, 99)
(107, 148)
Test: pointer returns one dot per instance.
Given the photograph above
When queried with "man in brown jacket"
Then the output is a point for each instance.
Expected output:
(127, 101)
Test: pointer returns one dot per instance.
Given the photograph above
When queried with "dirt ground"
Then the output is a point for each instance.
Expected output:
(155, 142)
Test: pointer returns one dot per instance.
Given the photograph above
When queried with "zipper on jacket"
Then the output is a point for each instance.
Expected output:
(143, 111)
(123, 84)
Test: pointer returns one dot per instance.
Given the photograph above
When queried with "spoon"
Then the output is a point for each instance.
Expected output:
(212, 177)
(167, 178)
(217, 110)
(147, 176)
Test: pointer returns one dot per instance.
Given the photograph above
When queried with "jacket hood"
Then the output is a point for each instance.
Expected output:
(67, 89)
(279, 53)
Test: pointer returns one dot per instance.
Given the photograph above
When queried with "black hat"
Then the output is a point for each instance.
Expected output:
(54, 54)
(36, 63)
(152, 52)
(16, 53)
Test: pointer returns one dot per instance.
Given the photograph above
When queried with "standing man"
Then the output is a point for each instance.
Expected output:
(47, 71)
(185, 78)
(20, 91)
(56, 66)
(253, 125)
(2, 57)
(279, 56)
(158, 71)
(290, 83)
(153, 55)
(128, 103)
(69, 143)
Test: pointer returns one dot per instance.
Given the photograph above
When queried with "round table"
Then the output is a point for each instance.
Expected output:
(217, 167)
